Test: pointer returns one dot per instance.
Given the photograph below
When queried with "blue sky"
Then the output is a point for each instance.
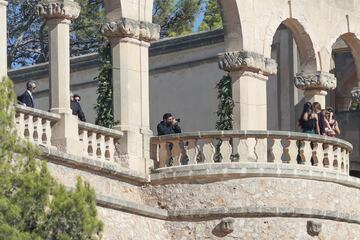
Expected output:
(199, 19)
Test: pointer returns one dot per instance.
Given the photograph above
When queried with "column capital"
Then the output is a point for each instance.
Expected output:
(129, 28)
(62, 9)
(315, 81)
(3, 3)
(355, 95)
(247, 61)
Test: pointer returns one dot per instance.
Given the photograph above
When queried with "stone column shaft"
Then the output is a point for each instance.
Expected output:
(315, 85)
(130, 55)
(3, 39)
(58, 15)
(248, 72)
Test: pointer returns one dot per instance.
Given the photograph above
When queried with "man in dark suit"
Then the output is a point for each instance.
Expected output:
(27, 98)
(76, 107)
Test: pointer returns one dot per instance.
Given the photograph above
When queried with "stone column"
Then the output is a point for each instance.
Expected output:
(58, 15)
(3, 39)
(315, 85)
(249, 72)
(130, 41)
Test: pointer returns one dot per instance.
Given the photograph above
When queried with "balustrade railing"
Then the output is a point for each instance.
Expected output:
(35, 125)
(251, 146)
(99, 142)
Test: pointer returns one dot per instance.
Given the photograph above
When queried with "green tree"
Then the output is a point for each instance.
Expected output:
(32, 204)
(212, 17)
(176, 17)
(28, 37)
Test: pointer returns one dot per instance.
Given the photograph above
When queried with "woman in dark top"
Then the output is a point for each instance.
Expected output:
(308, 120)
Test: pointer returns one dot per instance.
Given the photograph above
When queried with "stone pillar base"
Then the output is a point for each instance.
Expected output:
(249, 94)
(315, 96)
(65, 135)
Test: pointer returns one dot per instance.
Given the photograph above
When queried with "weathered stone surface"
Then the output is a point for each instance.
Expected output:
(355, 95)
(315, 81)
(247, 61)
(58, 9)
(127, 27)
(313, 228)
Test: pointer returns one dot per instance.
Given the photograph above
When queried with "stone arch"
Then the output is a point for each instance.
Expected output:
(354, 44)
(305, 45)
(232, 25)
(113, 10)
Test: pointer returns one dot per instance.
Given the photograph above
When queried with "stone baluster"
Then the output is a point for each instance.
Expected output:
(109, 148)
(276, 150)
(46, 132)
(291, 151)
(261, 150)
(20, 125)
(249, 72)
(208, 150)
(328, 156)
(305, 152)
(226, 150)
(84, 141)
(37, 129)
(192, 151)
(29, 127)
(164, 155)
(3, 39)
(337, 157)
(58, 15)
(100, 150)
(315, 85)
(92, 144)
(318, 154)
(176, 153)
(130, 40)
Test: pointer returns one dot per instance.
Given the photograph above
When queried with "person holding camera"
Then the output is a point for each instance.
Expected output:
(169, 125)
(76, 107)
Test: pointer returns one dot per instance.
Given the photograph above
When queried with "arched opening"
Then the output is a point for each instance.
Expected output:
(346, 67)
(293, 50)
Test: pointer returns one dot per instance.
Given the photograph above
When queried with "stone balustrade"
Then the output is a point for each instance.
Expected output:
(35, 125)
(251, 146)
(99, 142)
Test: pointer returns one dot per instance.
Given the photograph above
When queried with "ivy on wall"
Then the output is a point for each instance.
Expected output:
(225, 104)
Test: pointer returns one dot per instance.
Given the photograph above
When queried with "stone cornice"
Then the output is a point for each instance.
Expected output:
(355, 95)
(315, 81)
(63, 9)
(126, 27)
(247, 61)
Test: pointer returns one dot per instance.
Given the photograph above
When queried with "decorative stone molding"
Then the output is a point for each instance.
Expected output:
(315, 81)
(66, 9)
(355, 95)
(313, 228)
(126, 27)
(247, 61)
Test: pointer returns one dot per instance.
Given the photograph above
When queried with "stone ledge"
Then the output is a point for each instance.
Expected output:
(129, 207)
(37, 113)
(101, 130)
(216, 213)
(102, 168)
(205, 173)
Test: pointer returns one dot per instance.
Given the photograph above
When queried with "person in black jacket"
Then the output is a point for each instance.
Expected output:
(168, 125)
(76, 107)
(27, 98)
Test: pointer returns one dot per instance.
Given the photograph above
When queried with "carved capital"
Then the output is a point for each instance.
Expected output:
(355, 95)
(247, 61)
(315, 81)
(126, 27)
(63, 9)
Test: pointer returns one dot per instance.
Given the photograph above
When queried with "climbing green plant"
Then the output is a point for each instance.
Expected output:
(225, 104)
(33, 206)
(104, 103)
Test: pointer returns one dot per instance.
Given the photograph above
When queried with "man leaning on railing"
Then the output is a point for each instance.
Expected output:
(27, 98)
